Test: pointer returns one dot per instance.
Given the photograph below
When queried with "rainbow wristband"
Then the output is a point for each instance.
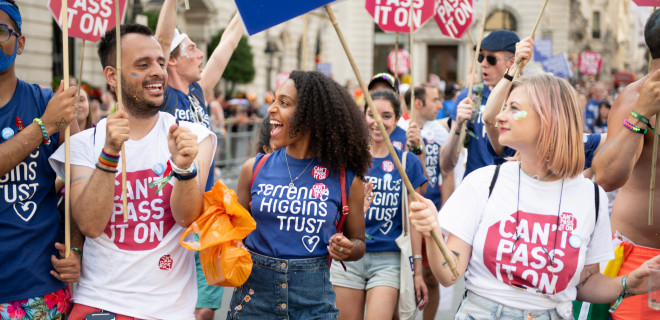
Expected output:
(108, 160)
(43, 130)
(633, 127)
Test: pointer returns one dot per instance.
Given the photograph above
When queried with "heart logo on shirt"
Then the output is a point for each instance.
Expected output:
(25, 210)
(310, 242)
(386, 227)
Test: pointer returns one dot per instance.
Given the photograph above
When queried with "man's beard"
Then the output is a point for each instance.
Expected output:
(135, 102)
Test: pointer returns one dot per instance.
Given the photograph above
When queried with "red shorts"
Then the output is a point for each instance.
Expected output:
(635, 307)
(425, 258)
(80, 311)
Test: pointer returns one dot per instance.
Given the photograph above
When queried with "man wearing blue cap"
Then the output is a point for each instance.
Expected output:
(32, 121)
(187, 85)
(496, 57)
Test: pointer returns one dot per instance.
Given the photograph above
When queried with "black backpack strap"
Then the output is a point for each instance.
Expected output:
(597, 199)
(492, 182)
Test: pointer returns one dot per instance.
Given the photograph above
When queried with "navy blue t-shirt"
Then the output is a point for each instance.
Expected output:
(478, 155)
(383, 218)
(294, 223)
(432, 158)
(398, 138)
(30, 223)
(192, 108)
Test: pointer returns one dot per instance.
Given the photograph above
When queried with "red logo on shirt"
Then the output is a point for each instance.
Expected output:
(320, 189)
(567, 222)
(320, 172)
(388, 166)
(149, 215)
(165, 262)
(541, 258)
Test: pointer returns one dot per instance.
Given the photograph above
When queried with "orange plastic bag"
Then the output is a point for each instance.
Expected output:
(220, 228)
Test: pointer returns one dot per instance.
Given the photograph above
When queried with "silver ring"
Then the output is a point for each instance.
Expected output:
(341, 249)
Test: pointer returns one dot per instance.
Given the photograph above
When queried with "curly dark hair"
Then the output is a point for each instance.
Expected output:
(337, 128)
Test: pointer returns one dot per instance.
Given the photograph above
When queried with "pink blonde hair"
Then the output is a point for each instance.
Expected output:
(560, 138)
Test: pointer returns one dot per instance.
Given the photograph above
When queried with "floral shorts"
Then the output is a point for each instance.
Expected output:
(54, 305)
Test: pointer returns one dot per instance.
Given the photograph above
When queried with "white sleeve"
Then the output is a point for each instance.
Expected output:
(461, 214)
(81, 152)
(600, 244)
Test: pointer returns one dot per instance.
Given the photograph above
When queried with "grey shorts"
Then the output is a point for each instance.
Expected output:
(373, 270)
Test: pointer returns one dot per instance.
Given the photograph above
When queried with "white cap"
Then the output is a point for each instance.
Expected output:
(178, 38)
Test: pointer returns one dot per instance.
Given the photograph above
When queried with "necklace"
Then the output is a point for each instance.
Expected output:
(516, 235)
(286, 158)
(536, 176)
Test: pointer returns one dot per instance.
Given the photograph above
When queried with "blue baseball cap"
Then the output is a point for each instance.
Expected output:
(500, 40)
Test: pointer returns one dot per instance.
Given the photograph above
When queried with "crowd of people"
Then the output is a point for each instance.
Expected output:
(521, 201)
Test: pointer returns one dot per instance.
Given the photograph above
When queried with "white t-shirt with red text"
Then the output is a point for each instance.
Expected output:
(498, 262)
(137, 267)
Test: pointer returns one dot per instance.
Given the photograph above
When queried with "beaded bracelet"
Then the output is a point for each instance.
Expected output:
(642, 118)
(108, 159)
(43, 130)
(633, 127)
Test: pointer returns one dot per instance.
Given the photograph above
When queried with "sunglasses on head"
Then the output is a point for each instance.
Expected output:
(491, 59)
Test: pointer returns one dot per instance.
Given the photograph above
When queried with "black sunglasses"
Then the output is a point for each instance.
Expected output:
(491, 59)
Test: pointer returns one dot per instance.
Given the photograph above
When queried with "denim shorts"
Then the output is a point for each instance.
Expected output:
(476, 307)
(375, 269)
(285, 289)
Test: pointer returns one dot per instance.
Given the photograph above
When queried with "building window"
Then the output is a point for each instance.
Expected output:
(58, 57)
(595, 28)
(501, 19)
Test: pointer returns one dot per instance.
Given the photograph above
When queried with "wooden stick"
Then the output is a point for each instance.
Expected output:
(654, 159)
(64, 19)
(120, 107)
(396, 57)
(187, 5)
(443, 248)
(82, 59)
(412, 81)
(461, 139)
(304, 45)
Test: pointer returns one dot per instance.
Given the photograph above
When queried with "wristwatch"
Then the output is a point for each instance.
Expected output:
(415, 150)
(507, 75)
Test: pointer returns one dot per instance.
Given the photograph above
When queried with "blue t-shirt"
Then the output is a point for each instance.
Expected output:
(192, 108)
(398, 138)
(591, 142)
(478, 155)
(432, 151)
(383, 219)
(591, 112)
(295, 223)
(447, 109)
(30, 223)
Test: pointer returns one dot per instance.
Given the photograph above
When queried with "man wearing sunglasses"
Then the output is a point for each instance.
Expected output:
(496, 56)
(187, 85)
(32, 122)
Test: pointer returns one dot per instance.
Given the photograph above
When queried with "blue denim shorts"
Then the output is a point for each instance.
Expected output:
(476, 307)
(285, 289)
(375, 269)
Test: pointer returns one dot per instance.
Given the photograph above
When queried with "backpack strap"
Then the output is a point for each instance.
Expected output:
(492, 182)
(257, 168)
(597, 199)
(344, 209)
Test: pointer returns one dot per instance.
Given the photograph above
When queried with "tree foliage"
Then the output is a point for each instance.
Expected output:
(240, 68)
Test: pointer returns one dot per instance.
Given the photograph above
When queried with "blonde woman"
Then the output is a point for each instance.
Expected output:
(529, 235)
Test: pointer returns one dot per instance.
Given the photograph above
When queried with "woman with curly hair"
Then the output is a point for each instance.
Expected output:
(295, 195)
(374, 280)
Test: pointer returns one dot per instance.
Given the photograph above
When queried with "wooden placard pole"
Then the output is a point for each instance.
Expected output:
(461, 138)
(654, 159)
(82, 59)
(64, 19)
(303, 49)
(412, 81)
(443, 248)
(396, 57)
(121, 107)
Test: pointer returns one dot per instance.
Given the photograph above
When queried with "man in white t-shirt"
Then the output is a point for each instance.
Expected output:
(135, 266)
